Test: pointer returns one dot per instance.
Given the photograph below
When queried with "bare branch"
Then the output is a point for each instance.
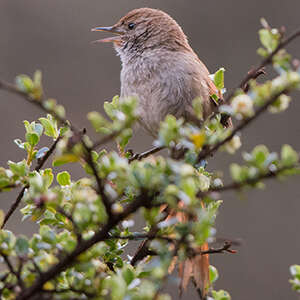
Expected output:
(140, 156)
(225, 248)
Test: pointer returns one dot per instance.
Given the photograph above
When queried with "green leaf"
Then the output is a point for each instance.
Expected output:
(38, 128)
(47, 177)
(269, 38)
(235, 171)
(219, 79)
(295, 270)
(63, 178)
(128, 274)
(47, 234)
(124, 138)
(32, 138)
(37, 78)
(289, 156)
(22, 246)
(220, 295)
(18, 168)
(97, 120)
(65, 159)
(213, 274)
(50, 126)
(2, 216)
(24, 83)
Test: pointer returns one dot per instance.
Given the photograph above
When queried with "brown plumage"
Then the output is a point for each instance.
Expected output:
(161, 69)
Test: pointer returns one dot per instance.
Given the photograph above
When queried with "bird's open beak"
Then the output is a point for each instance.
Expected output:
(111, 29)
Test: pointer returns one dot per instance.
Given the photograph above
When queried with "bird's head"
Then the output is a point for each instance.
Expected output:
(143, 29)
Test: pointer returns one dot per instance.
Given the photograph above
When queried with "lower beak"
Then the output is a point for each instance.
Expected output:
(111, 29)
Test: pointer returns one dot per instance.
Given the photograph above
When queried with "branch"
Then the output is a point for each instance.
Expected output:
(253, 74)
(250, 181)
(225, 248)
(12, 88)
(210, 150)
(15, 205)
(140, 156)
(264, 63)
(12, 270)
(39, 103)
(107, 138)
(65, 262)
(100, 188)
(70, 218)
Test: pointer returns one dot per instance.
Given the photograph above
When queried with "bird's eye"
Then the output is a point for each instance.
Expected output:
(131, 26)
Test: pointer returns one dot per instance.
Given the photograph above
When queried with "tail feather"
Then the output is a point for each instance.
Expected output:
(196, 268)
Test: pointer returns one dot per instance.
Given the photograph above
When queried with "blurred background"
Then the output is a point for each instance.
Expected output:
(54, 36)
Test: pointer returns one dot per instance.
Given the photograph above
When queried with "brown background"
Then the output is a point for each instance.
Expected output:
(54, 36)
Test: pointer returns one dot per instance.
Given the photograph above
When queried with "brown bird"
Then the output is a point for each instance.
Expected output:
(161, 69)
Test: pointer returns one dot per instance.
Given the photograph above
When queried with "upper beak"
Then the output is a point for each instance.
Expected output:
(111, 29)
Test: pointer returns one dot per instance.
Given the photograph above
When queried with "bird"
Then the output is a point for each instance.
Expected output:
(159, 68)
(163, 72)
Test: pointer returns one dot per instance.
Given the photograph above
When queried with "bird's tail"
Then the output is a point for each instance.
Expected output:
(195, 268)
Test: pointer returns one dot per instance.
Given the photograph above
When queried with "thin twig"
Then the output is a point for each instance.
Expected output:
(210, 150)
(225, 248)
(107, 138)
(263, 64)
(12, 270)
(250, 181)
(100, 188)
(39, 103)
(70, 218)
(15, 205)
(140, 156)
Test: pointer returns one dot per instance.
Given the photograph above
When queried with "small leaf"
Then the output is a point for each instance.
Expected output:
(24, 83)
(220, 295)
(18, 168)
(65, 159)
(2, 216)
(19, 143)
(50, 126)
(37, 78)
(97, 120)
(32, 138)
(219, 79)
(22, 246)
(63, 178)
(269, 38)
(42, 152)
(235, 171)
(38, 128)
(47, 177)
(289, 156)
(213, 274)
